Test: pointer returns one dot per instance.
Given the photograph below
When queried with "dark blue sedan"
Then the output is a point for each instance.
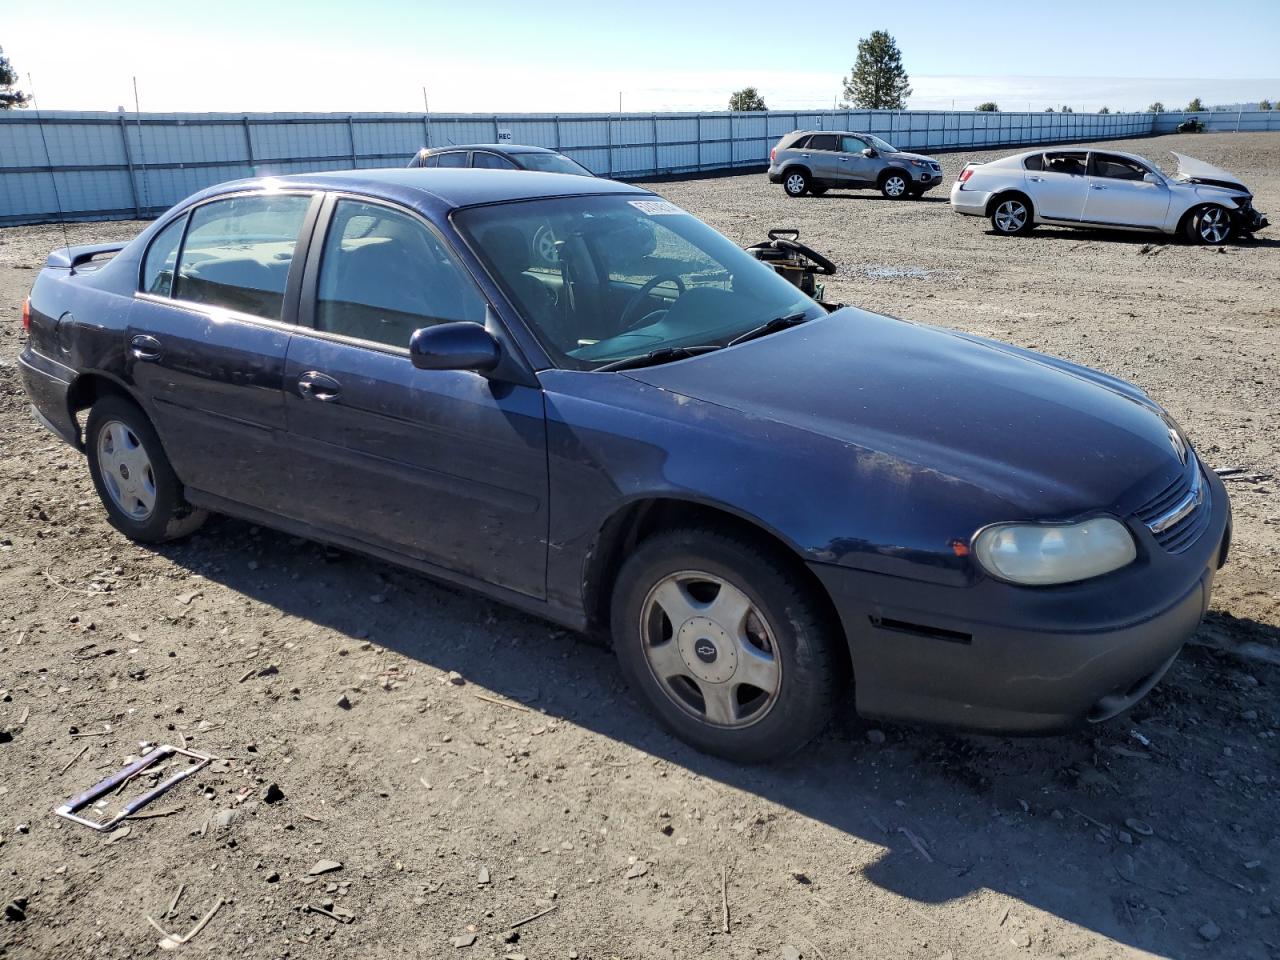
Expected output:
(758, 496)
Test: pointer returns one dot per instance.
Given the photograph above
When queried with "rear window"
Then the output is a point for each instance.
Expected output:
(238, 252)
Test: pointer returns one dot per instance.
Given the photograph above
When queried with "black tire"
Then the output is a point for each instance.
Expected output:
(818, 189)
(812, 669)
(170, 516)
(895, 185)
(1210, 225)
(796, 182)
(1012, 215)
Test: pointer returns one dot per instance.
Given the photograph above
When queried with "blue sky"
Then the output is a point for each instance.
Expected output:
(566, 55)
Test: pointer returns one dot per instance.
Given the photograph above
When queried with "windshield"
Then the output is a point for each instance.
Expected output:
(603, 278)
(882, 145)
(551, 163)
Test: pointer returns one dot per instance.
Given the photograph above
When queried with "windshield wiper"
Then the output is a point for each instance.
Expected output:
(654, 357)
(773, 326)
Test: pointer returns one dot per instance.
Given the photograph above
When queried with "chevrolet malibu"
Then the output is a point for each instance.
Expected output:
(758, 496)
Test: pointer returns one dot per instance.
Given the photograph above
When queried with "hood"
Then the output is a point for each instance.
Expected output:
(914, 156)
(1049, 438)
(1189, 168)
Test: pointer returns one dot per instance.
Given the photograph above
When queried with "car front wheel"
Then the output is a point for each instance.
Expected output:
(733, 655)
(796, 183)
(895, 186)
(1211, 226)
(1011, 216)
(132, 475)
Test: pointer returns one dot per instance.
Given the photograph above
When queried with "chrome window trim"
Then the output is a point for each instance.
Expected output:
(212, 312)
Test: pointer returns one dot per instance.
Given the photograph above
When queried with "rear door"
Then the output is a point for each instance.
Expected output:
(207, 339)
(1118, 194)
(484, 160)
(444, 466)
(1058, 190)
(820, 156)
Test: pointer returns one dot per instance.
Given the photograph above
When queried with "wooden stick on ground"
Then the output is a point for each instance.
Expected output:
(724, 895)
(540, 913)
(73, 760)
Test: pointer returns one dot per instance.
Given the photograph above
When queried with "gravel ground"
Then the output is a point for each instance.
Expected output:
(469, 767)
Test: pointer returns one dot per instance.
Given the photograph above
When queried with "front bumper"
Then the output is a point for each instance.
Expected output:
(970, 202)
(922, 180)
(997, 658)
(1250, 220)
(47, 383)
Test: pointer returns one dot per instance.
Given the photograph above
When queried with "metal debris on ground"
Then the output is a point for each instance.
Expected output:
(70, 809)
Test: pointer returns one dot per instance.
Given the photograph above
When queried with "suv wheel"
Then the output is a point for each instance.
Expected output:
(731, 653)
(895, 185)
(796, 183)
(132, 475)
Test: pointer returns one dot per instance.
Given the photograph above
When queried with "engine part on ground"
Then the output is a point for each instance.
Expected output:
(793, 260)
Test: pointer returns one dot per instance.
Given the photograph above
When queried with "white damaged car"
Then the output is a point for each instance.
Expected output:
(1102, 189)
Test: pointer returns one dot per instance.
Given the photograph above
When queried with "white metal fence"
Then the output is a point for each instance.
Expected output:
(117, 165)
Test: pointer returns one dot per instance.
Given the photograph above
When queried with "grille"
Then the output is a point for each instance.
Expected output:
(1187, 493)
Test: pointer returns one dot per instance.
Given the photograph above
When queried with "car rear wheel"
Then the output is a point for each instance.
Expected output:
(895, 185)
(1210, 225)
(132, 475)
(733, 655)
(796, 183)
(1011, 216)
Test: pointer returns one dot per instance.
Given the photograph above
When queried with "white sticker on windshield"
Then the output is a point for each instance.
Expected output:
(656, 208)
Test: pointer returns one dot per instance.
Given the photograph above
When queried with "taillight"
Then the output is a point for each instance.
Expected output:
(966, 173)
(773, 155)
(26, 314)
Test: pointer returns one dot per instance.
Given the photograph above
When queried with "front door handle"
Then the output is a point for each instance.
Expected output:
(1097, 186)
(143, 347)
(1036, 179)
(314, 385)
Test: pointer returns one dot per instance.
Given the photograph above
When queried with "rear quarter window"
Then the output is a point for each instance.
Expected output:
(1034, 162)
(161, 258)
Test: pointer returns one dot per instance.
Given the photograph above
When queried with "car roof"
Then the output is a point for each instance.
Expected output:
(447, 187)
(1059, 148)
(496, 147)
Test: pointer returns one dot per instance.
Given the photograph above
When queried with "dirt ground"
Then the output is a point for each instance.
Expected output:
(532, 781)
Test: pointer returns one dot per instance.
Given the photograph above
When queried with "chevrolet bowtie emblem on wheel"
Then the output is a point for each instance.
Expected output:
(1179, 445)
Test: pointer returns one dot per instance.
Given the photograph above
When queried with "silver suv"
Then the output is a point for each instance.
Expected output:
(814, 161)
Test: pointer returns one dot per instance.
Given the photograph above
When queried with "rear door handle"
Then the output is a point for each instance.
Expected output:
(143, 347)
(1036, 179)
(314, 385)
(1097, 186)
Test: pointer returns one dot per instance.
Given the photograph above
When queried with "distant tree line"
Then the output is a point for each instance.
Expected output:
(10, 96)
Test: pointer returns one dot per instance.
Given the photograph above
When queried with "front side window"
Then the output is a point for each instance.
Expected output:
(162, 257)
(884, 146)
(491, 161)
(384, 275)
(553, 163)
(631, 274)
(852, 145)
(1115, 168)
(455, 159)
(238, 251)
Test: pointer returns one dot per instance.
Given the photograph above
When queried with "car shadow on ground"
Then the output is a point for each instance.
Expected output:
(882, 199)
(1041, 820)
(1132, 238)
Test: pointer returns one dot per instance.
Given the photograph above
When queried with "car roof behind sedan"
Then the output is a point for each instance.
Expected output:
(512, 148)
(450, 187)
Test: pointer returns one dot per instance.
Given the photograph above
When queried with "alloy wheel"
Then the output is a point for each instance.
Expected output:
(895, 186)
(1010, 216)
(795, 184)
(710, 649)
(1214, 225)
(126, 470)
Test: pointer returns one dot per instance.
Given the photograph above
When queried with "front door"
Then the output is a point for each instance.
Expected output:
(854, 168)
(1058, 191)
(207, 338)
(1118, 193)
(448, 467)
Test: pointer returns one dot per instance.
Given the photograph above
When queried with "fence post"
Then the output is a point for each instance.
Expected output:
(609, 143)
(128, 158)
(248, 147)
(557, 124)
(351, 132)
(655, 143)
(698, 137)
(426, 125)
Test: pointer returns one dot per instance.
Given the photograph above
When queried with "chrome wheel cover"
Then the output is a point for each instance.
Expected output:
(126, 471)
(895, 186)
(710, 649)
(1010, 216)
(795, 184)
(544, 246)
(1214, 225)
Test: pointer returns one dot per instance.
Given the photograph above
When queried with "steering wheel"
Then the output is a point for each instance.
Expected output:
(637, 300)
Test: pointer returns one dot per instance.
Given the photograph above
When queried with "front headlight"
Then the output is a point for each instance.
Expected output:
(920, 163)
(1040, 554)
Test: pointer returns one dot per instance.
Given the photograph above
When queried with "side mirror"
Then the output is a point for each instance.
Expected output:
(1150, 178)
(868, 152)
(454, 346)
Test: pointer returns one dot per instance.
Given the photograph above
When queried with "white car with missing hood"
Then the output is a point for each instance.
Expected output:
(1104, 189)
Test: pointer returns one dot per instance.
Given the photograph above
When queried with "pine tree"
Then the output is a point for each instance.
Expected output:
(9, 97)
(878, 80)
(748, 98)
(1195, 106)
